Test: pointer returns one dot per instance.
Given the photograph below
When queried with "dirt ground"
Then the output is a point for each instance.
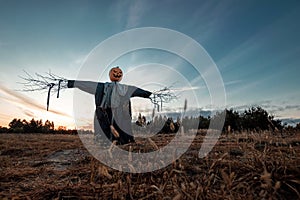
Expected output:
(244, 166)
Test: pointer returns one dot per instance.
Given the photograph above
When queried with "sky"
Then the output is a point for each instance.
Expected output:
(255, 46)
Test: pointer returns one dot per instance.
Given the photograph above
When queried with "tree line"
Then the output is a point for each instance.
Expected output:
(252, 119)
(34, 126)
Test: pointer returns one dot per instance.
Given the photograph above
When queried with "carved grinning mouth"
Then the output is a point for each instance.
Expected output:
(117, 76)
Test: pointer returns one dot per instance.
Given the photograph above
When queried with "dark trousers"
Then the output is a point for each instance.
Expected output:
(104, 117)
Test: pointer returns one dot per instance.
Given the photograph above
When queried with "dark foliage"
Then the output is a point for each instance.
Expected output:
(253, 119)
(34, 126)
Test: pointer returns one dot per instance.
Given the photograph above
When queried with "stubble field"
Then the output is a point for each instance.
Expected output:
(243, 166)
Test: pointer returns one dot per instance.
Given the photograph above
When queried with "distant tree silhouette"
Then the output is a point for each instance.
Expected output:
(33, 126)
(232, 120)
(255, 119)
(170, 126)
(48, 127)
(203, 122)
(3, 129)
(16, 126)
(141, 121)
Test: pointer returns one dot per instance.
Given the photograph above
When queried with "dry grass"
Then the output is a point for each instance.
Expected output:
(247, 166)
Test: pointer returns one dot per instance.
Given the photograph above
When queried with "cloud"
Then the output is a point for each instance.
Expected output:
(131, 11)
(5, 115)
(233, 82)
(88, 126)
(182, 89)
(24, 101)
(260, 42)
(135, 11)
(28, 113)
(297, 107)
(283, 109)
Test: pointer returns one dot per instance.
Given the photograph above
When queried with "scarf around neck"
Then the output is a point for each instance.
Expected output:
(113, 92)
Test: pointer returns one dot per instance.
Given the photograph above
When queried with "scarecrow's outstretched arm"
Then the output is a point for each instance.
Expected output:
(138, 92)
(86, 86)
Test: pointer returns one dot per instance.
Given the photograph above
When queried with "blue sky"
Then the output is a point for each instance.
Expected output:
(255, 45)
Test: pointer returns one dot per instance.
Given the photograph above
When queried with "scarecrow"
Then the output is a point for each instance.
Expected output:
(113, 109)
(112, 100)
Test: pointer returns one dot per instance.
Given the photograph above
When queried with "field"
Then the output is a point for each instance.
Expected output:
(243, 166)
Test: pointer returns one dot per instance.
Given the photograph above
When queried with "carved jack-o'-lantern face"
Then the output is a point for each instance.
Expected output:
(115, 74)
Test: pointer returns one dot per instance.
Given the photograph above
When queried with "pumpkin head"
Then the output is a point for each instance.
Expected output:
(115, 74)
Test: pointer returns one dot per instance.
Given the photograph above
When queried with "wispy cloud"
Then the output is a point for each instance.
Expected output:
(260, 42)
(28, 113)
(233, 82)
(25, 102)
(136, 9)
(182, 89)
(130, 13)
(296, 107)
(279, 109)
